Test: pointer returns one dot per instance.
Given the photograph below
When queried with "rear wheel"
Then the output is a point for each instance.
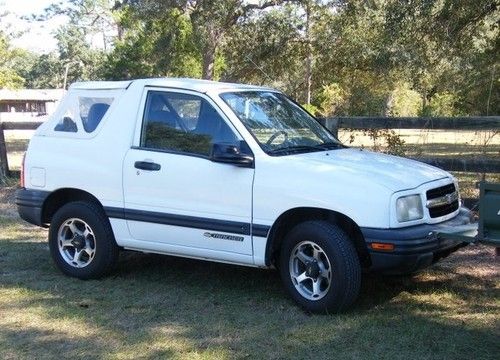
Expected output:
(81, 241)
(319, 267)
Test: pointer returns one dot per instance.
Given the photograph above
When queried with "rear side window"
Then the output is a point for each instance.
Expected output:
(92, 110)
(67, 124)
(84, 110)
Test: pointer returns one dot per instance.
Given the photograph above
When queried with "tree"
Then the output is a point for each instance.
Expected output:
(441, 42)
(346, 43)
(77, 58)
(211, 21)
(438, 47)
(47, 72)
(94, 18)
(268, 49)
(9, 78)
(82, 60)
(160, 46)
(345, 57)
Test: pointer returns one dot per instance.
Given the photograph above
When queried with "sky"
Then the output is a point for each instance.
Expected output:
(36, 36)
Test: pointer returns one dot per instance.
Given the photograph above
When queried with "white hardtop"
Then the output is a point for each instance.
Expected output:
(180, 83)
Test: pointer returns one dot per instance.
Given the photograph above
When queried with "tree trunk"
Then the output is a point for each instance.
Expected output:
(4, 165)
(208, 61)
(308, 78)
(119, 31)
(424, 102)
(389, 101)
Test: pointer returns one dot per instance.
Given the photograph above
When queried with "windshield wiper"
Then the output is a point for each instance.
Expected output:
(330, 146)
(299, 148)
(295, 148)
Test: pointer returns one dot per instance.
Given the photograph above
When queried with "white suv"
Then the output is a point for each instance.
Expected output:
(232, 173)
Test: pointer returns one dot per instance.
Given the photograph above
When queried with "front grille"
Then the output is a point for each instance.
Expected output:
(445, 209)
(440, 191)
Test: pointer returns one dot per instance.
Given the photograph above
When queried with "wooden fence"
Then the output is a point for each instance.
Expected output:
(479, 123)
(14, 125)
(479, 164)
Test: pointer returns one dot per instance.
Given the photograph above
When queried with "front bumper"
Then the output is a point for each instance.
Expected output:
(417, 247)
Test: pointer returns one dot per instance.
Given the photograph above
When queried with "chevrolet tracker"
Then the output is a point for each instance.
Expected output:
(233, 173)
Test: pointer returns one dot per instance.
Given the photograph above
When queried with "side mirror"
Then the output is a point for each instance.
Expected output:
(231, 154)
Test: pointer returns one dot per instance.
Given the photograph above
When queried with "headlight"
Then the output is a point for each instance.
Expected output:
(409, 208)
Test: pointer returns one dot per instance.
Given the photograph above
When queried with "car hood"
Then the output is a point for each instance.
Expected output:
(393, 172)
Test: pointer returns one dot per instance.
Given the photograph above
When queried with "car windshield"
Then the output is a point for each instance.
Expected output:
(280, 126)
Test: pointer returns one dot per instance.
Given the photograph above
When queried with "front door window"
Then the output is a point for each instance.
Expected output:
(182, 123)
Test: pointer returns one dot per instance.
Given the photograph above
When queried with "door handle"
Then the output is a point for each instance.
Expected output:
(146, 165)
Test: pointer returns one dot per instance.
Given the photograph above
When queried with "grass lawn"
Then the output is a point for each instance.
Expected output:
(165, 307)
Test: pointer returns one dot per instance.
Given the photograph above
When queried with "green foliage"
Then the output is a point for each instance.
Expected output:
(311, 109)
(368, 97)
(381, 57)
(394, 143)
(83, 62)
(435, 46)
(46, 72)
(211, 21)
(265, 50)
(154, 47)
(332, 100)
(442, 105)
(404, 101)
(9, 77)
(384, 140)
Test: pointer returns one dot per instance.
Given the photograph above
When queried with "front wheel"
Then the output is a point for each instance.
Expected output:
(319, 267)
(81, 241)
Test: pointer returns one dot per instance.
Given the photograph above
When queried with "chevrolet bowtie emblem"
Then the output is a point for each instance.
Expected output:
(443, 200)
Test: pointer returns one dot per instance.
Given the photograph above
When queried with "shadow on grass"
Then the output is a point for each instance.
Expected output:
(160, 306)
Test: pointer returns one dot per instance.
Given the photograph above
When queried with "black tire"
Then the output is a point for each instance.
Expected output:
(105, 249)
(344, 262)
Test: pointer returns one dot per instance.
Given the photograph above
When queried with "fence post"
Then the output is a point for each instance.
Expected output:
(4, 164)
(332, 124)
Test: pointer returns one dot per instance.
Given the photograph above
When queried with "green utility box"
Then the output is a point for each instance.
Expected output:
(489, 213)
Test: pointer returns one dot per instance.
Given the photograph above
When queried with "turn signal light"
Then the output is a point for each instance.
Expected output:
(382, 246)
